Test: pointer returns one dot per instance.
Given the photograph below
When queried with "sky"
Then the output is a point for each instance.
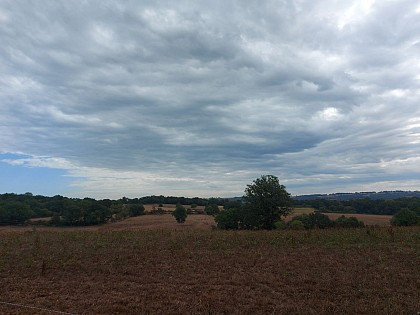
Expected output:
(107, 98)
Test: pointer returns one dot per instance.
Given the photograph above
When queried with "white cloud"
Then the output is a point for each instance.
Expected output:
(176, 96)
(329, 114)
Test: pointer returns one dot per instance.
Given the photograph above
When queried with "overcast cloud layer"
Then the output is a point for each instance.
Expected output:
(198, 98)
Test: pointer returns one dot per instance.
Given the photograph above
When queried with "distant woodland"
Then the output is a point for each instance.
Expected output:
(16, 209)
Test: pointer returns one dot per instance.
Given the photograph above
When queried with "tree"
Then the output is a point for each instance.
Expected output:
(405, 217)
(212, 209)
(228, 219)
(180, 213)
(267, 201)
(136, 209)
(14, 212)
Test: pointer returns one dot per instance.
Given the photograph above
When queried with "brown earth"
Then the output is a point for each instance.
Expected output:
(186, 271)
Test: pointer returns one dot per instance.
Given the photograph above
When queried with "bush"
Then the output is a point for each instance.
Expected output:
(211, 209)
(280, 225)
(180, 213)
(320, 220)
(350, 222)
(314, 220)
(136, 210)
(304, 218)
(296, 225)
(228, 219)
(405, 217)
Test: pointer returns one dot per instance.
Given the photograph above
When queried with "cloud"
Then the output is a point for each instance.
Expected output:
(201, 98)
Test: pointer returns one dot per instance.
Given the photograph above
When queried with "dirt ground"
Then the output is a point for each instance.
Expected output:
(189, 271)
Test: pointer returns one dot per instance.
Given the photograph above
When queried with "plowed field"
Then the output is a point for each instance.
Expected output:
(203, 271)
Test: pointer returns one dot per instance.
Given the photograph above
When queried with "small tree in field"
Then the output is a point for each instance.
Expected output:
(267, 201)
(180, 213)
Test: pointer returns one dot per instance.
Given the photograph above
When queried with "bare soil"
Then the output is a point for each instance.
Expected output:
(129, 270)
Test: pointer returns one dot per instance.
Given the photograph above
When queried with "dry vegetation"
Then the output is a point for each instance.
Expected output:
(367, 219)
(196, 270)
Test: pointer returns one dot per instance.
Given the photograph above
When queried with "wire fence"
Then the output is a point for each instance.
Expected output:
(35, 308)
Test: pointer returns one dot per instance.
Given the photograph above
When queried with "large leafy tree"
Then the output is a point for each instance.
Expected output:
(267, 201)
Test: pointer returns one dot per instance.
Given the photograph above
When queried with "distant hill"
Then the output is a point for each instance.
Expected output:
(383, 195)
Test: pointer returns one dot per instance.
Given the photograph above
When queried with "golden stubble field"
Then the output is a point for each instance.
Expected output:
(143, 266)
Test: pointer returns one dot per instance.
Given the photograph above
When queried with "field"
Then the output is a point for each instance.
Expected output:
(142, 266)
(368, 219)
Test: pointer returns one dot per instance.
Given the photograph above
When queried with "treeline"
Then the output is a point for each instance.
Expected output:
(181, 200)
(17, 209)
(365, 206)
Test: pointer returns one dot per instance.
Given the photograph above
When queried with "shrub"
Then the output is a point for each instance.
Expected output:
(280, 225)
(350, 222)
(405, 217)
(304, 218)
(320, 220)
(228, 219)
(211, 209)
(136, 210)
(296, 225)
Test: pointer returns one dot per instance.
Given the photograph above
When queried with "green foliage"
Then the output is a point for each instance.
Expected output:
(320, 220)
(136, 210)
(14, 212)
(212, 209)
(350, 222)
(280, 225)
(72, 215)
(304, 218)
(232, 205)
(180, 213)
(228, 219)
(267, 201)
(296, 225)
(55, 220)
(405, 217)
(85, 212)
(314, 220)
(365, 205)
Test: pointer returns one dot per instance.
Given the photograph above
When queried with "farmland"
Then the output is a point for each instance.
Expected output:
(367, 219)
(144, 266)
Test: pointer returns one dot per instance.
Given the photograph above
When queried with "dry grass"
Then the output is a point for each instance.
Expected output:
(166, 271)
(368, 219)
(145, 222)
(168, 207)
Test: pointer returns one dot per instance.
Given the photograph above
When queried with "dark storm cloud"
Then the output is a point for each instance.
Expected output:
(202, 97)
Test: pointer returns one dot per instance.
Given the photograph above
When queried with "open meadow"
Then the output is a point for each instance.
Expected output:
(142, 266)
